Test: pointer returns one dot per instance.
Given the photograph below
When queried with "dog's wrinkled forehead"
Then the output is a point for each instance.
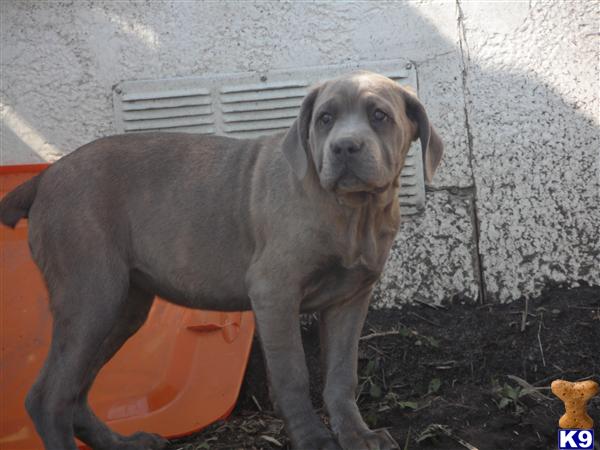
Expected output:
(348, 89)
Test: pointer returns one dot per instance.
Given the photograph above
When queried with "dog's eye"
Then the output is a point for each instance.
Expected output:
(379, 116)
(325, 118)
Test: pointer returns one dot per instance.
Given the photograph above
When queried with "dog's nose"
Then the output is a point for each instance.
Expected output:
(345, 147)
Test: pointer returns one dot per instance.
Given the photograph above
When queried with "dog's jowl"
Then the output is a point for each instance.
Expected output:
(297, 222)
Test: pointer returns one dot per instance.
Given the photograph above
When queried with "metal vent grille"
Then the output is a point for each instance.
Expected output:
(253, 110)
(249, 105)
(177, 106)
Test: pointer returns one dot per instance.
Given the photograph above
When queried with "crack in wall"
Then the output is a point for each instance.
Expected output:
(454, 190)
(471, 190)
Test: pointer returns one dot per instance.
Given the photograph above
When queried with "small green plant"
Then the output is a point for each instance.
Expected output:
(371, 418)
(434, 386)
(432, 432)
(392, 401)
(371, 381)
(508, 396)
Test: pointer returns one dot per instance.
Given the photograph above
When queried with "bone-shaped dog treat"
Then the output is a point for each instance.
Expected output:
(575, 397)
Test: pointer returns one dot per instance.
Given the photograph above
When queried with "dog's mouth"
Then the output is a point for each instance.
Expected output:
(350, 183)
(354, 192)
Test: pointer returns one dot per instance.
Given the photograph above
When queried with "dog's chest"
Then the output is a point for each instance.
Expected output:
(333, 283)
(363, 239)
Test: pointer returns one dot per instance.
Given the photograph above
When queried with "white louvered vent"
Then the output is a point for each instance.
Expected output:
(252, 110)
(249, 105)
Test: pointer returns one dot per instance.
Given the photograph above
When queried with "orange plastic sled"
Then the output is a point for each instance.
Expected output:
(179, 373)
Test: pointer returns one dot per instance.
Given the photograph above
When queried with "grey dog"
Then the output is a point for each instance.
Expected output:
(298, 222)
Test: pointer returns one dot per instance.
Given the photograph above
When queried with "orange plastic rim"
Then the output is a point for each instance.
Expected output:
(182, 371)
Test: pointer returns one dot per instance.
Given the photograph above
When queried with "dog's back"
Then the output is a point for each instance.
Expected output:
(149, 200)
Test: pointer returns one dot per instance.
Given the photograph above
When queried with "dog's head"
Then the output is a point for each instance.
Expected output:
(355, 132)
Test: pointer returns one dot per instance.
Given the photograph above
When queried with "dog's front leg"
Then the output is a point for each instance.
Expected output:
(277, 317)
(340, 328)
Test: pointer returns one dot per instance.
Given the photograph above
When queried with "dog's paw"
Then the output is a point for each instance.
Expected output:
(368, 440)
(143, 441)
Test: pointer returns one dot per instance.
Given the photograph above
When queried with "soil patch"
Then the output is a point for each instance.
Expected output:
(447, 377)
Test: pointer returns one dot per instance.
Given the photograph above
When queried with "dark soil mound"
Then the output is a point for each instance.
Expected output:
(448, 377)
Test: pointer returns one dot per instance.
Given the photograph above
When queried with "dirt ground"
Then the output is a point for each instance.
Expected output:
(452, 377)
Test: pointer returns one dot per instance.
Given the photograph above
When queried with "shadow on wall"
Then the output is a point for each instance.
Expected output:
(511, 88)
(532, 99)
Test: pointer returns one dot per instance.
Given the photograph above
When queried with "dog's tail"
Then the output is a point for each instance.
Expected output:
(16, 204)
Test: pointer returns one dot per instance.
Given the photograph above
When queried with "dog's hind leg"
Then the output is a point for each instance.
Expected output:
(86, 301)
(88, 428)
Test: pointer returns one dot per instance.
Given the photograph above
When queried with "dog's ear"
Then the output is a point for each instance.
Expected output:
(431, 144)
(295, 143)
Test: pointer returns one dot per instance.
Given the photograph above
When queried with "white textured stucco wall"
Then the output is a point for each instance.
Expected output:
(512, 89)
(533, 105)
